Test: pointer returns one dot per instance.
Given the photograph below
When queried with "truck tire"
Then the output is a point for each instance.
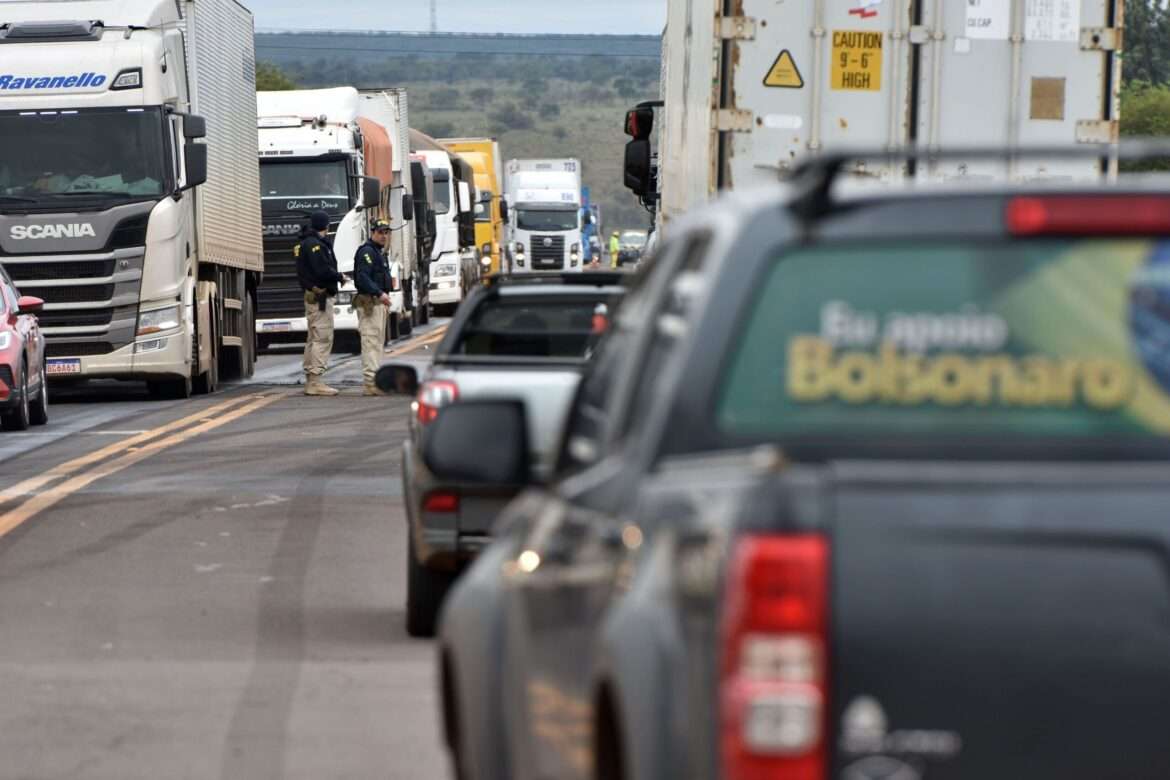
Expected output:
(393, 327)
(207, 382)
(425, 591)
(19, 418)
(406, 325)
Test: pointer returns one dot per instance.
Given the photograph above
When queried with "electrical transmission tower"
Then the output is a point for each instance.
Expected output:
(434, 16)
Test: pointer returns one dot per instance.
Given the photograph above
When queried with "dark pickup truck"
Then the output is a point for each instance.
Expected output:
(872, 487)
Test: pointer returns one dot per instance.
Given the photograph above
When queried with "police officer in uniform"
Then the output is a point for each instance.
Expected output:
(374, 284)
(317, 271)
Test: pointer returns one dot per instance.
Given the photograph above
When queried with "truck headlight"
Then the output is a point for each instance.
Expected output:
(159, 320)
(446, 269)
(344, 298)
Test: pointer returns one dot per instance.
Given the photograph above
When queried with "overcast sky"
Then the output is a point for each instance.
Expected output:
(510, 16)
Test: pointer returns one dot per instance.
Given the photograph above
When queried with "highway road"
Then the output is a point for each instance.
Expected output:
(212, 588)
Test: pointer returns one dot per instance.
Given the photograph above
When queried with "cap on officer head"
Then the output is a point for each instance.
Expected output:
(381, 226)
(319, 221)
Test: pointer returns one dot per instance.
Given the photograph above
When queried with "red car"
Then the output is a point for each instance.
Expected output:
(24, 392)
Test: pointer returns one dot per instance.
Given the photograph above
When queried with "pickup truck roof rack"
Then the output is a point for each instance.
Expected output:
(815, 178)
(582, 279)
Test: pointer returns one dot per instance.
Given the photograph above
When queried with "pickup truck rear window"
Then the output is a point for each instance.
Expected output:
(1052, 338)
(534, 328)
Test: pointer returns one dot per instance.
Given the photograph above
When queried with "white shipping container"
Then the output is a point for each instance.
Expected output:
(748, 95)
(221, 73)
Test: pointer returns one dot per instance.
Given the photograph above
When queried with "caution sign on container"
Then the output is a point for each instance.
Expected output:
(784, 73)
(857, 60)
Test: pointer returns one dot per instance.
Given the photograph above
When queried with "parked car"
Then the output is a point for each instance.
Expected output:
(857, 487)
(24, 391)
(526, 337)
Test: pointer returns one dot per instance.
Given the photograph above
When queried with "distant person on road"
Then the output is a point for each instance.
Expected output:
(319, 278)
(374, 284)
(615, 246)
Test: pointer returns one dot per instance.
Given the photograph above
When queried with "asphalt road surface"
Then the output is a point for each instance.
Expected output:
(212, 588)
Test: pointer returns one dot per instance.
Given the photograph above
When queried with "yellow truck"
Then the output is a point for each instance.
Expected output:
(483, 155)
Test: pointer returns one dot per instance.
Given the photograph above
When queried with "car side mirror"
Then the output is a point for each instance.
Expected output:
(195, 161)
(194, 127)
(371, 191)
(408, 207)
(479, 443)
(397, 379)
(29, 305)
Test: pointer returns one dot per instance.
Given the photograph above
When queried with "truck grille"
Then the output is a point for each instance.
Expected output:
(280, 294)
(87, 293)
(81, 269)
(59, 349)
(75, 319)
(552, 256)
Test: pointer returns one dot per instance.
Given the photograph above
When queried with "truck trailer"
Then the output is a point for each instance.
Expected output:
(133, 204)
(752, 88)
(483, 154)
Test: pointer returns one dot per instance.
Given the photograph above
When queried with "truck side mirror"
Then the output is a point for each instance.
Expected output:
(637, 168)
(371, 191)
(503, 210)
(195, 161)
(464, 198)
(407, 207)
(194, 127)
(640, 123)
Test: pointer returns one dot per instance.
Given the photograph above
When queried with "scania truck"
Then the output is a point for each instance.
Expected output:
(316, 154)
(129, 194)
(544, 215)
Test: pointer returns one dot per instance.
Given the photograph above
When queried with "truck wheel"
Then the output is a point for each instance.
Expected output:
(18, 418)
(406, 325)
(393, 328)
(39, 411)
(207, 382)
(425, 591)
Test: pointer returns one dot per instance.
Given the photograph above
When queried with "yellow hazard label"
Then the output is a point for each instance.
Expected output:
(784, 73)
(857, 60)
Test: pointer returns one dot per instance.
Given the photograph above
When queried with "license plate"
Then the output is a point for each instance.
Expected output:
(63, 367)
(276, 327)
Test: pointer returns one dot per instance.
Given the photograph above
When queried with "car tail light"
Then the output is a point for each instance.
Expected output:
(441, 502)
(1094, 215)
(432, 397)
(774, 687)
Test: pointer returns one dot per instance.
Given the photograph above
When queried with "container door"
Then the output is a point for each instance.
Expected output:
(812, 76)
(1018, 72)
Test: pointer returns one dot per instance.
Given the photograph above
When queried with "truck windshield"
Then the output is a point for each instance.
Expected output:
(309, 180)
(546, 219)
(1065, 340)
(442, 192)
(54, 157)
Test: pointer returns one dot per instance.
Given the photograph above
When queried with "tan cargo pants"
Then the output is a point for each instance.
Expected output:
(372, 327)
(319, 339)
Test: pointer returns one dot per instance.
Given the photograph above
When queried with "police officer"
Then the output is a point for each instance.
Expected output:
(374, 285)
(317, 271)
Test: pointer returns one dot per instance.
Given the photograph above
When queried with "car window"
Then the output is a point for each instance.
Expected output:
(1040, 341)
(671, 324)
(544, 327)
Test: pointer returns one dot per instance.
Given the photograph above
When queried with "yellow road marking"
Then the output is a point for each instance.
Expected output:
(18, 516)
(22, 489)
(430, 338)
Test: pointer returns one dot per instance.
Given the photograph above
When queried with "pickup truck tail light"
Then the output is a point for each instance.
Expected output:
(1089, 215)
(432, 397)
(773, 679)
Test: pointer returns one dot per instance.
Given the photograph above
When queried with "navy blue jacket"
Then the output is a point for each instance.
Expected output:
(371, 271)
(317, 265)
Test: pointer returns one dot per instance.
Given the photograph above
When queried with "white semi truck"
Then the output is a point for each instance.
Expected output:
(455, 265)
(543, 199)
(778, 82)
(129, 195)
(337, 151)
